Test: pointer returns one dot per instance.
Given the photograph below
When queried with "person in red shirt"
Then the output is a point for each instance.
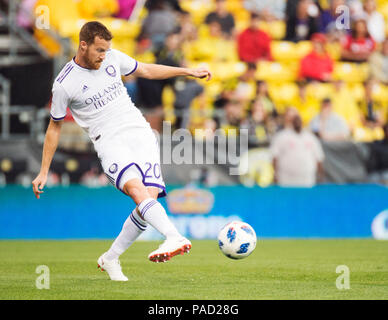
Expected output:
(317, 65)
(359, 45)
(254, 44)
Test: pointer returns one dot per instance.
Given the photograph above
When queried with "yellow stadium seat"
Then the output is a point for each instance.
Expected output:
(52, 47)
(350, 72)
(60, 11)
(146, 57)
(319, 90)
(211, 49)
(168, 99)
(284, 93)
(90, 9)
(380, 93)
(276, 71)
(198, 9)
(126, 46)
(285, 51)
(276, 29)
(304, 48)
(383, 9)
(364, 134)
(213, 89)
(334, 50)
(224, 71)
(357, 91)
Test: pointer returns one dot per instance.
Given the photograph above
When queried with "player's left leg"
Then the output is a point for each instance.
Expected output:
(133, 227)
(152, 211)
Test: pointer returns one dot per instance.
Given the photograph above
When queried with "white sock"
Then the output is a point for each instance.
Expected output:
(153, 212)
(133, 227)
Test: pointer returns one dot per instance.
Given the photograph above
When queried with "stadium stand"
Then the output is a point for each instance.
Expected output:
(363, 105)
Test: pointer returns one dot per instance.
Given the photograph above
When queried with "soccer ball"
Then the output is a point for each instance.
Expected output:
(237, 240)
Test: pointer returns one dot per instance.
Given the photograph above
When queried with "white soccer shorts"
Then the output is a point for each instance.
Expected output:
(130, 154)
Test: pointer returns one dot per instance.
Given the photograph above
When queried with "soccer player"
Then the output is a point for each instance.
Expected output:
(90, 86)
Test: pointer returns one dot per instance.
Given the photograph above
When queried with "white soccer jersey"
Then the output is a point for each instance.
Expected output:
(97, 99)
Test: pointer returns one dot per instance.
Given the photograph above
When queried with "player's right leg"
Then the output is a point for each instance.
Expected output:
(151, 211)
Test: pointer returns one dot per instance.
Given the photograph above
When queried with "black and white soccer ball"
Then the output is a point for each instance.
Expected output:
(237, 240)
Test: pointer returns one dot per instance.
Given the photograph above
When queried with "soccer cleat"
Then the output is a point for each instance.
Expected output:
(170, 248)
(112, 267)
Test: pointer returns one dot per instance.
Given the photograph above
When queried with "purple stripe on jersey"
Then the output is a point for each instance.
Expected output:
(136, 224)
(65, 75)
(134, 69)
(134, 217)
(125, 169)
(57, 119)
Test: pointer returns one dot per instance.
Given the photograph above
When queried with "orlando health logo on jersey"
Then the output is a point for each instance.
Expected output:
(108, 94)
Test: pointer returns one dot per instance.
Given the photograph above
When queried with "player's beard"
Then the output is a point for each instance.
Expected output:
(92, 64)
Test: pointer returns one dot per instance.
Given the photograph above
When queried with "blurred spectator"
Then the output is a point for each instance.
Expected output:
(307, 105)
(25, 17)
(297, 156)
(378, 159)
(269, 10)
(253, 43)
(304, 23)
(263, 96)
(378, 62)
(328, 125)
(185, 89)
(246, 87)
(233, 115)
(126, 8)
(288, 117)
(355, 6)
(374, 113)
(258, 123)
(359, 45)
(375, 21)
(345, 105)
(188, 29)
(291, 7)
(159, 22)
(223, 17)
(317, 65)
(329, 17)
(170, 4)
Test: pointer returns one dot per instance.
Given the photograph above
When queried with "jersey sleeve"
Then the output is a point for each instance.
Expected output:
(127, 64)
(59, 102)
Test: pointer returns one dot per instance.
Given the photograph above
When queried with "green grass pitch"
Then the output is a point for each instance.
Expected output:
(277, 269)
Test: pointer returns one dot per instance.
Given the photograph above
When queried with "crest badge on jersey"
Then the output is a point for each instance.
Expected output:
(111, 70)
(113, 168)
(85, 88)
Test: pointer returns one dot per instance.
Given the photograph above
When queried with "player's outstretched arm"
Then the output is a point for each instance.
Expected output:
(49, 147)
(158, 71)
